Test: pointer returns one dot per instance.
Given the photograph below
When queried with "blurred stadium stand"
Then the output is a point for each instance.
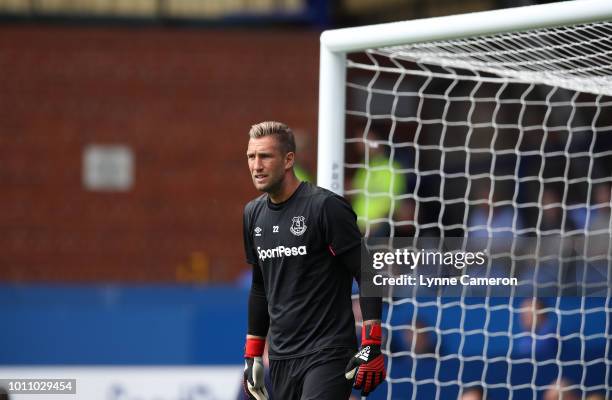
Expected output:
(317, 13)
(486, 324)
(219, 12)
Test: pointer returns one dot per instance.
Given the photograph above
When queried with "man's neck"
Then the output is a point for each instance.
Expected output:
(288, 187)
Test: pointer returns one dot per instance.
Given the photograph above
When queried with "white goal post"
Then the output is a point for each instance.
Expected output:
(335, 44)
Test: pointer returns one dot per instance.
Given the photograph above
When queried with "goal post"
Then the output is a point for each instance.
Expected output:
(489, 125)
(335, 44)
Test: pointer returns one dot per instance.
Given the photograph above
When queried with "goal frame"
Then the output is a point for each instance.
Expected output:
(337, 43)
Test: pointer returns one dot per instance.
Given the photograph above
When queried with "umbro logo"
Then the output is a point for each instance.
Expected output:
(364, 354)
(258, 231)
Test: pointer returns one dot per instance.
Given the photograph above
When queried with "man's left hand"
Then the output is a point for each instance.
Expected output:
(368, 365)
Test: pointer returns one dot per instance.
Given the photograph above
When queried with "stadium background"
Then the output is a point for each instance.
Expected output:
(147, 275)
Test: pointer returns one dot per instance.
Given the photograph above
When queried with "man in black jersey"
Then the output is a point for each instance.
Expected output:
(304, 246)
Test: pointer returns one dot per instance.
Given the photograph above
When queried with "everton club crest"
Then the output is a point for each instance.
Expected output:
(298, 227)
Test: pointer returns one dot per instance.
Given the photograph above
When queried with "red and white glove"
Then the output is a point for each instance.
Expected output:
(254, 381)
(368, 365)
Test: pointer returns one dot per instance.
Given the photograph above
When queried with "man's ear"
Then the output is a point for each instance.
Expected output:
(289, 160)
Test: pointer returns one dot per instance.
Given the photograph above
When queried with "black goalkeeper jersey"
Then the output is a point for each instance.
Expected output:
(296, 244)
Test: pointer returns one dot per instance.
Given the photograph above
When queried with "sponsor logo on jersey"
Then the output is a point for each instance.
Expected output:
(275, 229)
(281, 251)
(298, 227)
(258, 231)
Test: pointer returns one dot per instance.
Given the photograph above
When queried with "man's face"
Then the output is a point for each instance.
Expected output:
(267, 163)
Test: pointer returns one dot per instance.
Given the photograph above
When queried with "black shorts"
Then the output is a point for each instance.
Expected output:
(317, 376)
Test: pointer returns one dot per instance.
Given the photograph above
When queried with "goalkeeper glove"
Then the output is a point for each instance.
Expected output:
(253, 381)
(368, 365)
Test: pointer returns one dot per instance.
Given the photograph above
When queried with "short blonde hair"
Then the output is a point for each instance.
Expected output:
(281, 131)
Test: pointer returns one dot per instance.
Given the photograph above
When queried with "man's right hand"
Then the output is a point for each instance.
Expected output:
(254, 375)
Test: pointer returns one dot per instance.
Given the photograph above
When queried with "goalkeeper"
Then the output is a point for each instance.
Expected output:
(304, 247)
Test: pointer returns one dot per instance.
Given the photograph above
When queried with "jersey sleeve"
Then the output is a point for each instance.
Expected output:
(258, 317)
(339, 223)
(249, 248)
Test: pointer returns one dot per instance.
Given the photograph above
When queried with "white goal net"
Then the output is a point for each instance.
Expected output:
(499, 136)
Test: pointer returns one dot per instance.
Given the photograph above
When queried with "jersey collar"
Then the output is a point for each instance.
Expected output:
(280, 206)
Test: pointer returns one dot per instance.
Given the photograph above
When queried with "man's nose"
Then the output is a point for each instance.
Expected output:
(257, 163)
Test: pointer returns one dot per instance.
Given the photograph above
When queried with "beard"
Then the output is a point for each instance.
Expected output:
(272, 186)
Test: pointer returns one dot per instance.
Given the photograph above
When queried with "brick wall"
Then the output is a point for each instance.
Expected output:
(182, 100)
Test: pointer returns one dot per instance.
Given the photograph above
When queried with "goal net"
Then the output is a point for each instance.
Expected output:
(502, 136)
